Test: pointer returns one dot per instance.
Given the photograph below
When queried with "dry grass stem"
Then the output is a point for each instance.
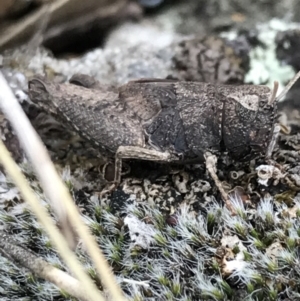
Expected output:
(52, 185)
(43, 217)
(40, 268)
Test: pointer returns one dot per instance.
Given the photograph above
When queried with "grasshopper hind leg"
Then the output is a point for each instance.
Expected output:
(134, 152)
(140, 153)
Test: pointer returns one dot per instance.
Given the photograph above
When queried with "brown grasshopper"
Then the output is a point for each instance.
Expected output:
(165, 120)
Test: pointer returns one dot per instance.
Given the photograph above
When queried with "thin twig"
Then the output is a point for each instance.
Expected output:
(52, 184)
(41, 268)
(210, 162)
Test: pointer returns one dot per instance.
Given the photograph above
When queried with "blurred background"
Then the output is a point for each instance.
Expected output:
(262, 34)
(75, 26)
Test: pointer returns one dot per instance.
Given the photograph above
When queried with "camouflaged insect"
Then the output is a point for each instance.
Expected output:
(165, 120)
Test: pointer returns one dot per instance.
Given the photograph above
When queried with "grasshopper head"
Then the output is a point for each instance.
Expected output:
(249, 118)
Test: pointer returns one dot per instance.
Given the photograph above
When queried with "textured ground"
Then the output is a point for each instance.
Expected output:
(165, 230)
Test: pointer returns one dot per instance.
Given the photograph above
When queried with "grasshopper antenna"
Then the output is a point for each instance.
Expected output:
(274, 92)
(287, 87)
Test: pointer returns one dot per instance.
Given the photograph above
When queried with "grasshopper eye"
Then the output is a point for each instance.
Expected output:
(267, 108)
